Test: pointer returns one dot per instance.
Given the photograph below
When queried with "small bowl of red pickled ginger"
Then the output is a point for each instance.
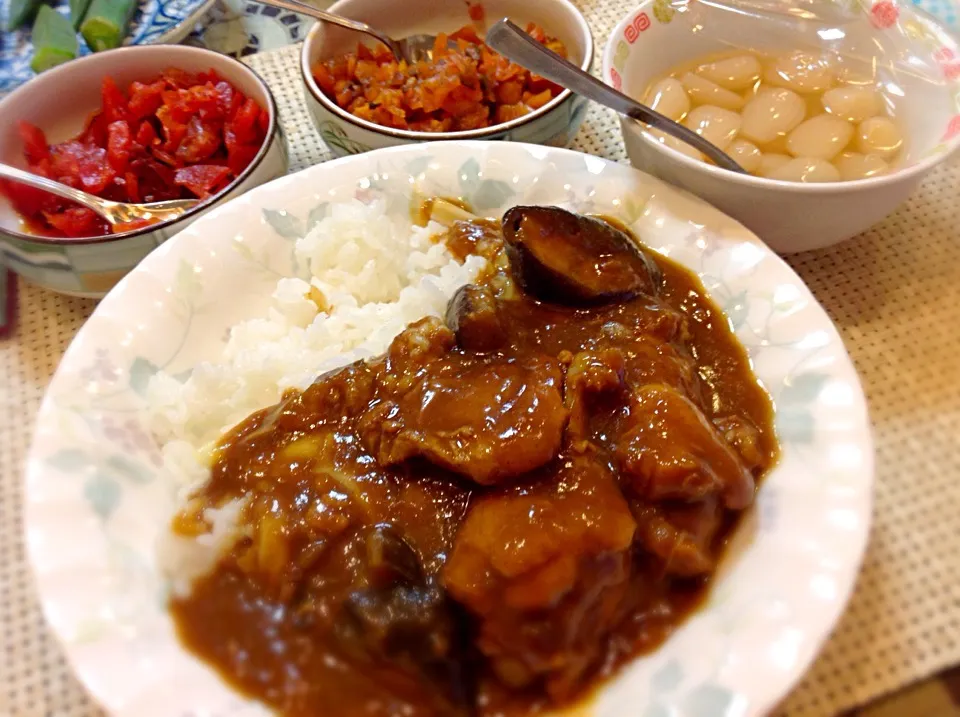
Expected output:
(360, 97)
(138, 124)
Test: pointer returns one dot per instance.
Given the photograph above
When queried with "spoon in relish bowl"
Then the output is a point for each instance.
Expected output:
(413, 48)
(115, 213)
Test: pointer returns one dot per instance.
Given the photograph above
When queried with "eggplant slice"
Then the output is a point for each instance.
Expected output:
(568, 258)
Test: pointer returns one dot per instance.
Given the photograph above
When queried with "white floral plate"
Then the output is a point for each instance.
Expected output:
(95, 501)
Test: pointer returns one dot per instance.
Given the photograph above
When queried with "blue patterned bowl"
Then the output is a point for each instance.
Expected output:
(155, 21)
(556, 123)
(90, 267)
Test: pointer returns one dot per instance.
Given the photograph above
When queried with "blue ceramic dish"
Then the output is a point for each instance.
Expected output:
(156, 21)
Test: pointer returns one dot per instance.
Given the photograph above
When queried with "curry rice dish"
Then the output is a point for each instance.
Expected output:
(502, 509)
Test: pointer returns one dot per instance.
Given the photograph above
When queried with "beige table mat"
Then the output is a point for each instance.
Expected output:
(894, 292)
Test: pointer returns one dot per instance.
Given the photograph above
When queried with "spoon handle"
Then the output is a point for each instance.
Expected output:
(113, 212)
(61, 190)
(516, 45)
(323, 15)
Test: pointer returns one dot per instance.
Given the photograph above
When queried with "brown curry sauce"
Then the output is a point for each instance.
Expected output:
(484, 522)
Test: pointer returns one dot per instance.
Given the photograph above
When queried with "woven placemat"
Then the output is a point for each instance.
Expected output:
(894, 293)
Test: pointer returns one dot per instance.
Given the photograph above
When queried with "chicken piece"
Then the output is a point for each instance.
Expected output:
(413, 349)
(472, 315)
(744, 437)
(488, 418)
(577, 260)
(680, 535)
(670, 451)
(341, 392)
(651, 361)
(545, 569)
(654, 319)
(591, 373)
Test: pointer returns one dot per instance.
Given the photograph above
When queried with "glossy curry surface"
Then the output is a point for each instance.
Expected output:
(501, 510)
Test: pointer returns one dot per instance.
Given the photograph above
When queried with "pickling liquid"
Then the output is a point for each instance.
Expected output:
(796, 116)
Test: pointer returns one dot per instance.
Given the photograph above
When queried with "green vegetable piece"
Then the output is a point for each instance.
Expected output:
(105, 24)
(20, 11)
(78, 10)
(54, 39)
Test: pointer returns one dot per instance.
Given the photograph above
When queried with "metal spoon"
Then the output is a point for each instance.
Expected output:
(412, 49)
(516, 45)
(113, 212)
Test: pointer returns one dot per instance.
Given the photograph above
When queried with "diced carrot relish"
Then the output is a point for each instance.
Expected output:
(181, 136)
(466, 85)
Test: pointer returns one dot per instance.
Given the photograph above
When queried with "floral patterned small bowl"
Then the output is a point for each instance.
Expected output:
(556, 123)
(60, 101)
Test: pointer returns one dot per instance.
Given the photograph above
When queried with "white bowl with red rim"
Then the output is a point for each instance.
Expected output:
(920, 71)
